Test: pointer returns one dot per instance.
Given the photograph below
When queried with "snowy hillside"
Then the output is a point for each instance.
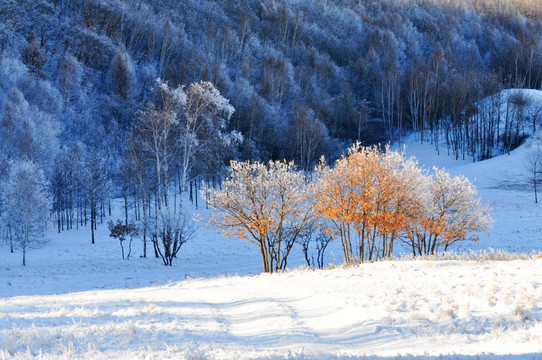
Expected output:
(77, 300)
(414, 309)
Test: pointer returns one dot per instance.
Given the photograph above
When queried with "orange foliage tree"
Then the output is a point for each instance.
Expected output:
(368, 198)
(374, 197)
(267, 204)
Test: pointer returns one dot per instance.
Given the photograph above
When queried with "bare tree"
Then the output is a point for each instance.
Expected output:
(318, 240)
(533, 165)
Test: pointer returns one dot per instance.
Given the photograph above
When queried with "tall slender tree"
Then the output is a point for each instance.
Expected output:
(25, 203)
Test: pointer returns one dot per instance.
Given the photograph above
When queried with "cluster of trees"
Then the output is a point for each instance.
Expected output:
(183, 132)
(370, 200)
(312, 76)
(305, 77)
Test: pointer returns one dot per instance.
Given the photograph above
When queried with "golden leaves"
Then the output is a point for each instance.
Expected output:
(382, 196)
(371, 198)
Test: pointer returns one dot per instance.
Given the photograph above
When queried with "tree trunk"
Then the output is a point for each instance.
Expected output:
(25, 244)
(92, 210)
(125, 206)
(196, 194)
(155, 244)
(144, 243)
(535, 192)
(10, 239)
(129, 249)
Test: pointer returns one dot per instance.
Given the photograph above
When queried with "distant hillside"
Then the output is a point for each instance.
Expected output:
(281, 63)
(306, 78)
(493, 125)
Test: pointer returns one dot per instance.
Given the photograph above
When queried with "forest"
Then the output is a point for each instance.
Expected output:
(145, 99)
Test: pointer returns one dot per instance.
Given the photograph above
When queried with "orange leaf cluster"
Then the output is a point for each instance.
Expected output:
(374, 197)
(370, 199)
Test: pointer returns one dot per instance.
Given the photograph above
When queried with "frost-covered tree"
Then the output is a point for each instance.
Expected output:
(267, 204)
(25, 203)
(32, 54)
(169, 134)
(154, 151)
(122, 77)
(449, 211)
(206, 116)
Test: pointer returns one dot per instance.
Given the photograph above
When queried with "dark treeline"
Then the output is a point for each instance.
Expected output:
(306, 78)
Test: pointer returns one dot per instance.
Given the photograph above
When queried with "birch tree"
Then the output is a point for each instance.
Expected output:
(154, 150)
(206, 116)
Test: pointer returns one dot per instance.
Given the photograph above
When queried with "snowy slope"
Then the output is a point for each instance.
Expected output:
(381, 309)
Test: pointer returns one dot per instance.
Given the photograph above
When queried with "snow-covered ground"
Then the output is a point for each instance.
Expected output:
(77, 300)
(411, 308)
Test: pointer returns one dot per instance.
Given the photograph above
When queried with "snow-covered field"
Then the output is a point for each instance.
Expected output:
(412, 308)
(77, 300)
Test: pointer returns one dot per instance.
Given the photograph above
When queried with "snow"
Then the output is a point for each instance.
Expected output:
(75, 300)
(412, 308)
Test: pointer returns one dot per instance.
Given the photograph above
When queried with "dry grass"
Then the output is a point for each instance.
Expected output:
(482, 255)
